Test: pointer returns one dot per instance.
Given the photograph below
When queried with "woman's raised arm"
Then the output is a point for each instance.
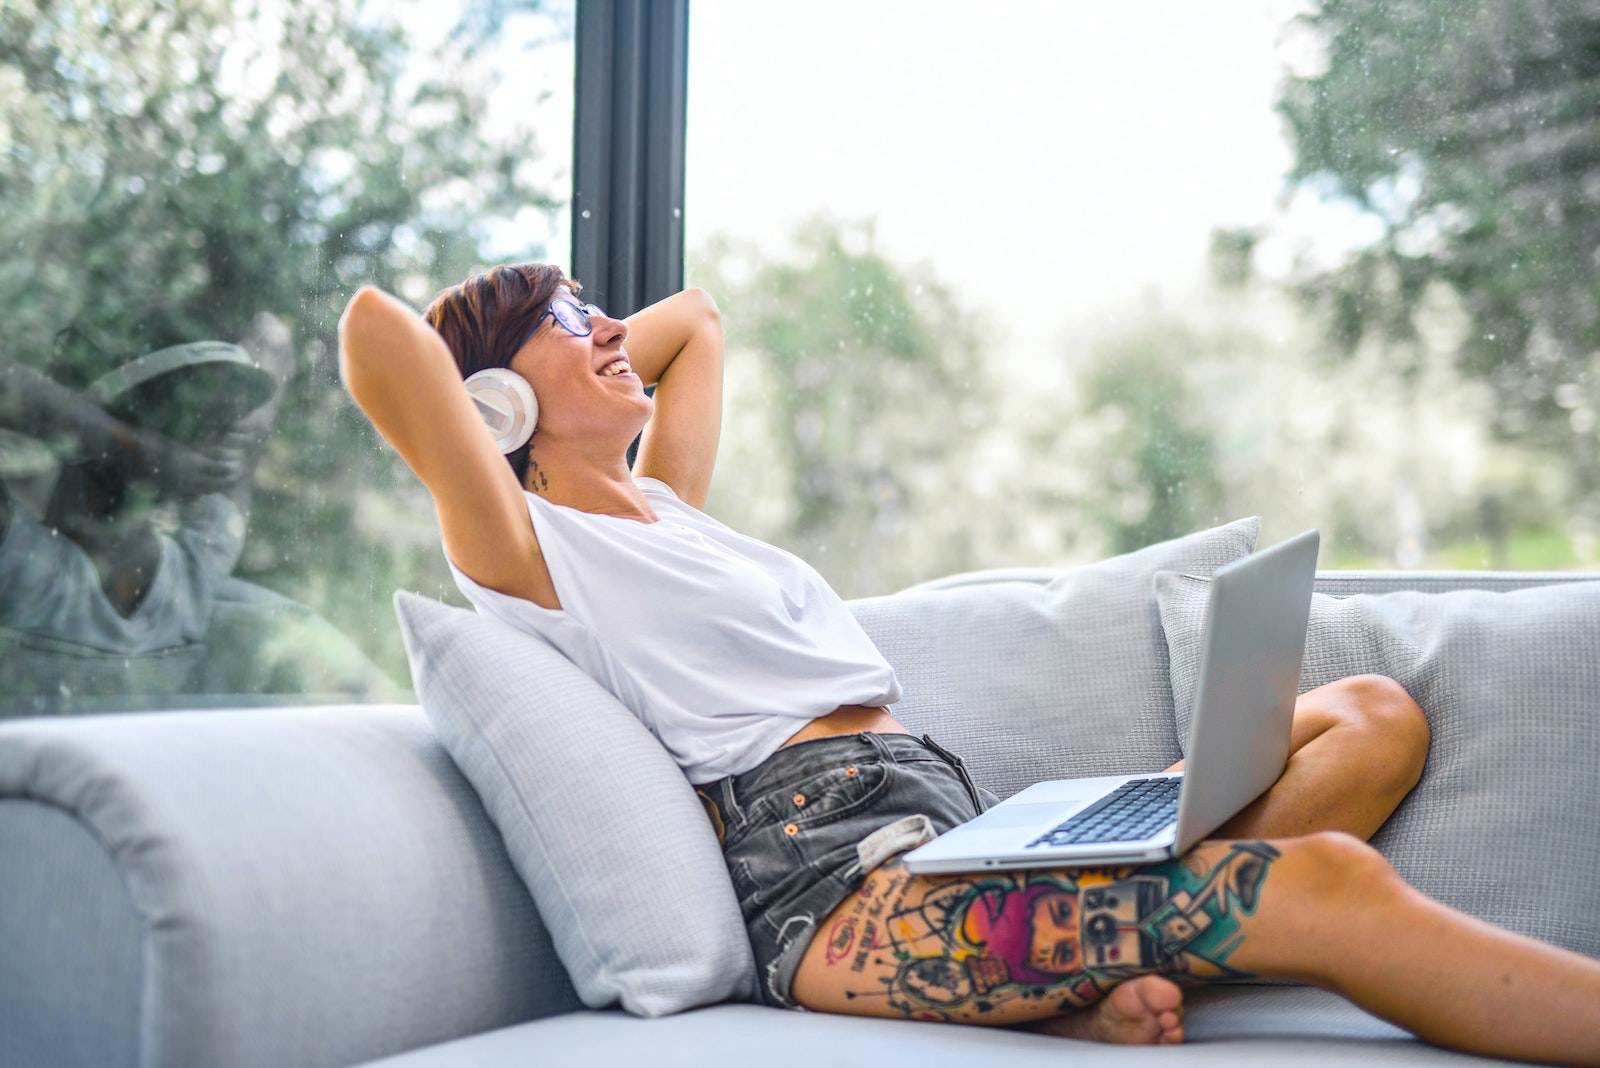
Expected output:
(400, 372)
(676, 344)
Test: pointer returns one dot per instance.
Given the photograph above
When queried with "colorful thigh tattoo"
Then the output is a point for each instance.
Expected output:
(946, 948)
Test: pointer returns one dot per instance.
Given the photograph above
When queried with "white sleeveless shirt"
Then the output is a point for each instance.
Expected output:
(722, 645)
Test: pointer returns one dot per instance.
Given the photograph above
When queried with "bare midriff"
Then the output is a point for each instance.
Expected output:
(848, 719)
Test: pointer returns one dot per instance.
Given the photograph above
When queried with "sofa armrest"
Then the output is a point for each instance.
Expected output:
(302, 886)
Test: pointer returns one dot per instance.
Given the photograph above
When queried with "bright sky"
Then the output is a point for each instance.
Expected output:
(1075, 153)
(1072, 151)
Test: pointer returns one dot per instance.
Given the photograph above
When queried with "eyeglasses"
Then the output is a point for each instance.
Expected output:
(571, 317)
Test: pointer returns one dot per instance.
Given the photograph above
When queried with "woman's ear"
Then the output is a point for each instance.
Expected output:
(507, 404)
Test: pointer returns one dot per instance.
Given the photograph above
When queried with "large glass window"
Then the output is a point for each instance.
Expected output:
(1019, 289)
(193, 511)
(1040, 282)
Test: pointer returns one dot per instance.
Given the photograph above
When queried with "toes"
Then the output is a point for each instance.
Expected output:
(1155, 994)
(1161, 995)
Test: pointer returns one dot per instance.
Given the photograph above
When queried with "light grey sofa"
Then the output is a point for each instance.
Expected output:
(320, 886)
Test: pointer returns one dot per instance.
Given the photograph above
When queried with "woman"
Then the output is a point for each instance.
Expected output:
(756, 679)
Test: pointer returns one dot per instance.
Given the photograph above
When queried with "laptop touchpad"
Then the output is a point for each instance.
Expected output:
(1004, 816)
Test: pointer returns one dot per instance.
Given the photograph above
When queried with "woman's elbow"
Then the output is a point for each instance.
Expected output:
(361, 320)
(704, 305)
(707, 319)
(362, 314)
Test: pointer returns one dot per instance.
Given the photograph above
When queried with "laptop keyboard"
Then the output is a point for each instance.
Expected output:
(1130, 813)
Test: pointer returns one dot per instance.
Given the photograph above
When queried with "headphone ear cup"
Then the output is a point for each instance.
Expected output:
(507, 404)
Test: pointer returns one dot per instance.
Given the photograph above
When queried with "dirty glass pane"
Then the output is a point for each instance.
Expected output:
(1038, 282)
(193, 512)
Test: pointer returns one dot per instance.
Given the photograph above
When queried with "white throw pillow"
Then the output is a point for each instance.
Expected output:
(602, 826)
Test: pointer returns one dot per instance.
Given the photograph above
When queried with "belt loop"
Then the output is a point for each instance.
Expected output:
(949, 757)
(874, 739)
(960, 767)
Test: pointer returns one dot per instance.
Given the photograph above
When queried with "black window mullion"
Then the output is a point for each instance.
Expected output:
(628, 150)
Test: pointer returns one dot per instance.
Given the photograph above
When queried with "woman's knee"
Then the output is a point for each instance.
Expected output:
(1382, 710)
(1340, 866)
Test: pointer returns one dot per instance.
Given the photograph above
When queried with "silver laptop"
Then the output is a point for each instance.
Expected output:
(1238, 744)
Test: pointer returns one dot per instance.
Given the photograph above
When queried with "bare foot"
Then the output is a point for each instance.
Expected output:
(1147, 1011)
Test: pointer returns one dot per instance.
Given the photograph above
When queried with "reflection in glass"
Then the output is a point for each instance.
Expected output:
(118, 579)
(189, 191)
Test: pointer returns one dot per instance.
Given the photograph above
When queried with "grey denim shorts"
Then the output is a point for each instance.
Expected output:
(802, 830)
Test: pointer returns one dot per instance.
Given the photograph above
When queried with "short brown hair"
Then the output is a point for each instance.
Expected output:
(485, 319)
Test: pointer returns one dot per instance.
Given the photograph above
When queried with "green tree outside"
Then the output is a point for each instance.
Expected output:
(1467, 128)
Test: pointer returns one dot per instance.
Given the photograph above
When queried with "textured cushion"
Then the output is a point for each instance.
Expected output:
(1032, 681)
(1503, 822)
(600, 823)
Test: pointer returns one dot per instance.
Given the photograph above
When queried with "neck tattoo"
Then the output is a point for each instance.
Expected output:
(536, 480)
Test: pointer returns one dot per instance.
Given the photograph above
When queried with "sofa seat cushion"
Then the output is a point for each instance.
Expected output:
(1241, 1027)
(1502, 825)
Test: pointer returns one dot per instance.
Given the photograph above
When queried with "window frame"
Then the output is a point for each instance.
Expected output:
(629, 118)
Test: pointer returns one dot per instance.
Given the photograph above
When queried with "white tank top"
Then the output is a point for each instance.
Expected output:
(722, 645)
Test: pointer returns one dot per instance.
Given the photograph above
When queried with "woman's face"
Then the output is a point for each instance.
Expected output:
(585, 385)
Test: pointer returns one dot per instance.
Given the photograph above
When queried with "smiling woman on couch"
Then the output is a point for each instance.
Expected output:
(757, 680)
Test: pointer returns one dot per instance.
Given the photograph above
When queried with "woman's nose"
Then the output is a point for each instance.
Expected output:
(609, 331)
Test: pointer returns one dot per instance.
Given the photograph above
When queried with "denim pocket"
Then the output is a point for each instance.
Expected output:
(833, 794)
(792, 832)
(821, 806)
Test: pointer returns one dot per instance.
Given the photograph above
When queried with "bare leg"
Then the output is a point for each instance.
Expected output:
(1354, 927)
(1323, 909)
(1357, 748)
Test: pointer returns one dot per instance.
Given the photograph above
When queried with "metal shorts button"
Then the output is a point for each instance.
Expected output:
(799, 800)
(790, 829)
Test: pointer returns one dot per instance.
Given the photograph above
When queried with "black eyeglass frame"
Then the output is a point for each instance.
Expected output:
(572, 317)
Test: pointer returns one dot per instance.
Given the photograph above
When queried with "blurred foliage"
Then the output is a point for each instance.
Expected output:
(1162, 482)
(1467, 128)
(880, 432)
(170, 168)
(868, 385)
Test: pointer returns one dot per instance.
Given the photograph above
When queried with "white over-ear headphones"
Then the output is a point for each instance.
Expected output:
(507, 404)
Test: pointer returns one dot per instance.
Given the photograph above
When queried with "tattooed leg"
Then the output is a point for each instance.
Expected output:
(1009, 948)
(1324, 909)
